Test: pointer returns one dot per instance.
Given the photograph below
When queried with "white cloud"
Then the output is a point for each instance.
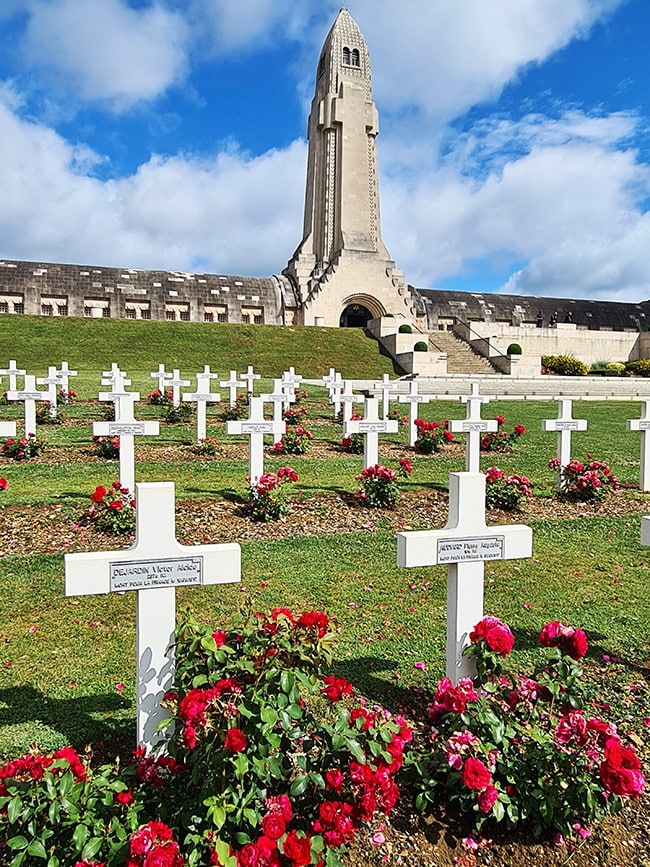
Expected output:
(570, 206)
(105, 50)
(229, 214)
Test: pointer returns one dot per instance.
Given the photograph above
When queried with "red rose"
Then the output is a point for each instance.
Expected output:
(576, 647)
(219, 636)
(274, 826)
(297, 849)
(620, 773)
(236, 740)
(124, 798)
(334, 779)
(98, 494)
(475, 775)
(3, 485)
(487, 799)
(335, 687)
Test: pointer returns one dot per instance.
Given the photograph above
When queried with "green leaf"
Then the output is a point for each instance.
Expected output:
(269, 715)
(19, 859)
(299, 785)
(91, 848)
(18, 842)
(223, 851)
(80, 836)
(14, 809)
(54, 813)
(218, 816)
(37, 849)
(355, 748)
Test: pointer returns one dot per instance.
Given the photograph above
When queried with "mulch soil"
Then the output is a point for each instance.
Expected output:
(410, 840)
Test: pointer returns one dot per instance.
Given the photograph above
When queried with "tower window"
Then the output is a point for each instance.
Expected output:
(351, 57)
(356, 60)
(346, 56)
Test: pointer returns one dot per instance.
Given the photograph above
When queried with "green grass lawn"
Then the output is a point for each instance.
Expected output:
(63, 659)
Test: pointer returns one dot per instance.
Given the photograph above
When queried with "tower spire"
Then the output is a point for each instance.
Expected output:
(341, 255)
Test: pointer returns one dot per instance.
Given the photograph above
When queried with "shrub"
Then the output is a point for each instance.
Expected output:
(380, 485)
(519, 750)
(505, 492)
(585, 481)
(205, 447)
(615, 368)
(420, 346)
(112, 509)
(431, 436)
(294, 442)
(396, 415)
(641, 367)
(353, 445)
(67, 397)
(160, 398)
(43, 414)
(23, 449)
(295, 414)
(514, 349)
(564, 365)
(107, 447)
(267, 495)
(500, 440)
(178, 414)
(405, 329)
(280, 758)
(239, 410)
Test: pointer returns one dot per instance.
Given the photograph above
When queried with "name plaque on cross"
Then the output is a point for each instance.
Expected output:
(115, 429)
(644, 425)
(372, 427)
(143, 575)
(473, 548)
(467, 426)
(566, 425)
(255, 427)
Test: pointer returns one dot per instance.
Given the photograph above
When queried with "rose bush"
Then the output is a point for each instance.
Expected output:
(500, 440)
(267, 499)
(107, 447)
(112, 509)
(294, 442)
(431, 436)
(588, 481)
(505, 491)
(380, 485)
(521, 750)
(23, 448)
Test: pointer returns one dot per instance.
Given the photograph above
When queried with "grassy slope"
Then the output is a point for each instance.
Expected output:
(90, 345)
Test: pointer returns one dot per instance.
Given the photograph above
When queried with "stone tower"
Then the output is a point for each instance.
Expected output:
(342, 272)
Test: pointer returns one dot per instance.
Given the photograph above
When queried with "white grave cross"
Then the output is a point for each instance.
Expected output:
(254, 427)
(154, 566)
(232, 385)
(161, 376)
(643, 425)
(370, 426)
(64, 373)
(12, 372)
(201, 397)
(115, 378)
(29, 395)
(249, 378)
(474, 426)
(564, 424)
(126, 427)
(385, 387)
(176, 384)
(290, 380)
(278, 398)
(52, 381)
(463, 546)
(348, 399)
(413, 398)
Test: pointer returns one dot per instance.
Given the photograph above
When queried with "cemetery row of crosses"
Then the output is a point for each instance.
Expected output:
(156, 564)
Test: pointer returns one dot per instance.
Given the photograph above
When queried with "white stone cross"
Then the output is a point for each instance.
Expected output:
(201, 397)
(12, 372)
(463, 546)
(232, 385)
(29, 395)
(249, 378)
(254, 427)
(115, 378)
(52, 381)
(331, 377)
(154, 566)
(176, 383)
(335, 388)
(126, 427)
(413, 398)
(278, 397)
(474, 426)
(385, 387)
(643, 424)
(348, 399)
(290, 380)
(370, 426)
(564, 424)
(64, 373)
(161, 376)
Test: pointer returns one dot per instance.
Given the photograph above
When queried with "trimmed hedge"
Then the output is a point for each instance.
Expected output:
(514, 349)
(420, 346)
(564, 365)
(405, 329)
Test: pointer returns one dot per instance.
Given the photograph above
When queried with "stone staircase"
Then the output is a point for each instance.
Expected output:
(461, 358)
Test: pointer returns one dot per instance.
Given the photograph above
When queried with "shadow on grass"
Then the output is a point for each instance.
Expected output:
(365, 674)
(74, 718)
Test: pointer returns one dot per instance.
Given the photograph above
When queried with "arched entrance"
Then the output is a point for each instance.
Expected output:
(355, 316)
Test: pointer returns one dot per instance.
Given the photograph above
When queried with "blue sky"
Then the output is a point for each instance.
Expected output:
(514, 151)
